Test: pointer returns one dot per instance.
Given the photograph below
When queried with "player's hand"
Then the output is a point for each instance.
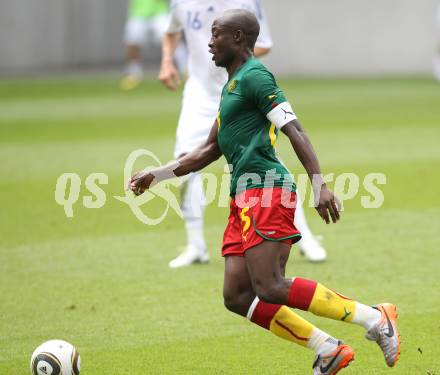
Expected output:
(140, 182)
(328, 205)
(169, 76)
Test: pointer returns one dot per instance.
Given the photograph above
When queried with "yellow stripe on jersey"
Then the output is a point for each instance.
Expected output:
(218, 119)
(272, 135)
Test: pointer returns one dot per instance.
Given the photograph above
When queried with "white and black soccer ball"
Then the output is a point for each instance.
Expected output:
(55, 357)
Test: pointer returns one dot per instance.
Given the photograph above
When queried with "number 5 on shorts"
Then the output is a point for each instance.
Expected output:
(245, 222)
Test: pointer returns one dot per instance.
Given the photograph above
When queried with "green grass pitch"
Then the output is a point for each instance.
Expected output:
(100, 279)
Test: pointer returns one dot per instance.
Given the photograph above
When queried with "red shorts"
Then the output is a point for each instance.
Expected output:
(257, 215)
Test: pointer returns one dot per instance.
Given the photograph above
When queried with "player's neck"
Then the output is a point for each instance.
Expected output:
(239, 61)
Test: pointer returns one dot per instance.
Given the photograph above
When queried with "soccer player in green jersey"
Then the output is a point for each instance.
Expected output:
(260, 229)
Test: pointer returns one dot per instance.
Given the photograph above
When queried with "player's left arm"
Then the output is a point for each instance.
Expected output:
(260, 87)
(326, 200)
(198, 159)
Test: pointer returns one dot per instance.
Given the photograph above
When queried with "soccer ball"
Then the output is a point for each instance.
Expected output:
(55, 357)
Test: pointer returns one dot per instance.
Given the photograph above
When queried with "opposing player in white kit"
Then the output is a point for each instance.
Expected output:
(201, 98)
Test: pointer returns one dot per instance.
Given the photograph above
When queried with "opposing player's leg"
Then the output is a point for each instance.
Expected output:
(158, 27)
(308, 295)
(195, 122)
(309, 245)
(193, 207)
(134, 38)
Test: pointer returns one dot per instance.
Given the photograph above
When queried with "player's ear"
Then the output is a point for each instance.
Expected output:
(238, 36)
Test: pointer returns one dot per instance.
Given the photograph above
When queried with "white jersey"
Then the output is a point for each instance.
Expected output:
(201, 94)
(194, 18)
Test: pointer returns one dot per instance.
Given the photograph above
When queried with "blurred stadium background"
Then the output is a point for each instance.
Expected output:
(359, 74)
(342, 37)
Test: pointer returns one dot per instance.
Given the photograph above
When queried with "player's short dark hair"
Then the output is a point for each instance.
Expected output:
(240, 19)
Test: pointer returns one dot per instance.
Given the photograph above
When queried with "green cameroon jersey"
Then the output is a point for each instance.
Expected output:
(245, 136)
(147, 8)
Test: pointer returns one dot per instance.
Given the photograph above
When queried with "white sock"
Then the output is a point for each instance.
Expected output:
(321, 342)
(135, 68)
(195, 238)
(300, 220)
(307, 240)
(366, 316)
(193, 207)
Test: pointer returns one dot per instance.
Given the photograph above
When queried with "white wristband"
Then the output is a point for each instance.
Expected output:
(281, 115)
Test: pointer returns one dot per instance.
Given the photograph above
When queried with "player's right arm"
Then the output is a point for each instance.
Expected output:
(264, 41)
(168, 74)
(191, 162)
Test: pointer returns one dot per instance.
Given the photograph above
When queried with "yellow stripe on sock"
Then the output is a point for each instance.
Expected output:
(330, 304)
(290, 326)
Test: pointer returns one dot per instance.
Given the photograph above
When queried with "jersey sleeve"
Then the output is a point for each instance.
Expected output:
(264, 39)
(175, 25)
(260, 88)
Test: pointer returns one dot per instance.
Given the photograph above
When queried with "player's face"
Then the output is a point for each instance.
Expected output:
(221, 45)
